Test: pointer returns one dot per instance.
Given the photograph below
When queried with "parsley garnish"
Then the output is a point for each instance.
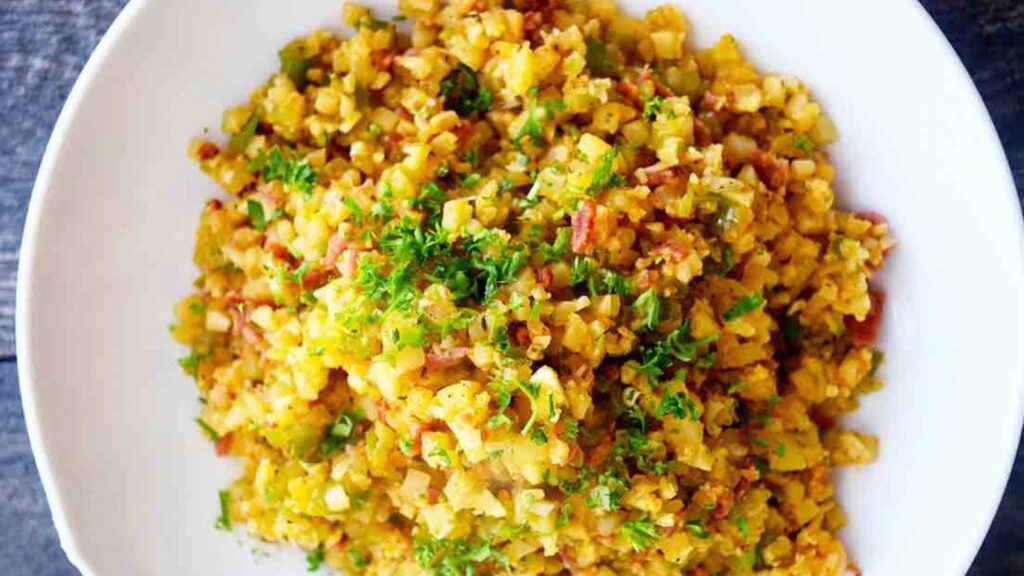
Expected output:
(357, 558)
(339, 432)
(598, 59)
(652, 106)
(679, 405)
(240, 140)
(442, 455)
(677, 346)
(454, 557)
(697, 529)
(296, 175)
(208, 430)
(743, 306)
(641, 533)
(604, 176)
(648, 306)
(294, 62)
(463, 94)
(804, 144)
(314, 558)
(255, 209)
(224, 520)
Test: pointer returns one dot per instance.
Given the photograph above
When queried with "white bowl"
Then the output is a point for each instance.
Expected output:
(109, 236)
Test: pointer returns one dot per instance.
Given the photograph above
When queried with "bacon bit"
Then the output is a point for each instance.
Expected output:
(865, 332)
(872, 216)
(698, 571)
(382, 59)
(701, 133)
(250, 334)
(315, 278)
(573, 451)
(583, 227)
(207, 150)
(532, 21)
(519, 334)
(463, 130)
(349, 263)
(233, 298)
(629, 91)
(214, 204)
(822, 420)
(712, 102)
(545, 277)
(853, 569)
(342, 542)
(335, 246)
(724, 505)
(391, 142)
(645, 278)
(432, 495)
(223, 446)
(405, 115)
(610, 371)
(773, 172)
(743, 486)
(661, 176)
(671, 249)
(279, 251)
(447, 359)
(568, 562)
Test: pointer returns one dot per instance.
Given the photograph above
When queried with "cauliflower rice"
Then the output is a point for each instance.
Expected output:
(532, 287)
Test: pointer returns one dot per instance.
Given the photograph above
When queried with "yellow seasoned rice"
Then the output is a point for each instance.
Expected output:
(532, 287)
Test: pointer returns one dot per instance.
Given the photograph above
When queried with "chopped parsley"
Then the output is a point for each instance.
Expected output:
(339, 432)
(743, 527)
(679, 345)
(294, 62)
(652, 106)
(357, 558)
(598, 58)
(295, 174)
(697, 529)
(463, 93)
(224, 520)
(604, 176)
(256, 216)
(442, 455)
(190, 363)
(240, 140)
(559, 247)
(537, 436)
(743, 306)
(315, 558)
(678, 405)
(641, 533)
(804, 144)
(648, 306)
(208, 430)
(455, 557)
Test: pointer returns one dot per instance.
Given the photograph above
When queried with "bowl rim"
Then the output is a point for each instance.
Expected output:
(110, 41)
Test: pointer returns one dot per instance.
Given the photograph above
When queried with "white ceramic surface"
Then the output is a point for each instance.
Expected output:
(109, 237)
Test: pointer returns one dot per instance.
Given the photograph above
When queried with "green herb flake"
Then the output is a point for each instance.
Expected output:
(649, 308)
(804, 144)
(743, 527)
(697, 529)
(652, 106)
(255, 209)
(743, 306)
(357, 558)
(463, 94)
(224, 520)
(208, 430)
(294, 62)
(315, 558)
(640, 533)
(604, 176)
(240, 140)
(598, 58)
(442, 455)
(538, 436)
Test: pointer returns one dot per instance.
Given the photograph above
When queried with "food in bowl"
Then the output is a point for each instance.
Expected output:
(532, 288)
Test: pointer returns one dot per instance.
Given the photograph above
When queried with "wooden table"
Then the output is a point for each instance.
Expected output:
(43, 45)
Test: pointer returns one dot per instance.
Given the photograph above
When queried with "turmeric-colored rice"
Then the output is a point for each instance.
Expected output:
(532, 287)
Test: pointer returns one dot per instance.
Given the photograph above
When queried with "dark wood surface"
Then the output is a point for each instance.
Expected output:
(43, 45)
